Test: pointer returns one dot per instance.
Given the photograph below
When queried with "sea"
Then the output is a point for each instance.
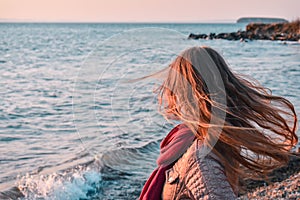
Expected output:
(73, 123)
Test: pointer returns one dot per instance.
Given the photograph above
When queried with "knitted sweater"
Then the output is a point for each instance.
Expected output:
(195, 177)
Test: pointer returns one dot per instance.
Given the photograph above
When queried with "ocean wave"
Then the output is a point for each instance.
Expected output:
(107, 176)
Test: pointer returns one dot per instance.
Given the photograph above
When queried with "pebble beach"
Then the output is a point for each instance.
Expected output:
(284, 185)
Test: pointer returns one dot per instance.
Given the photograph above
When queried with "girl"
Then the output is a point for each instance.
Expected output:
(231, 129)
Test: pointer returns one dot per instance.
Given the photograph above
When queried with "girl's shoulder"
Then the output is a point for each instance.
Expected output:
(199, 152)
(200, 172)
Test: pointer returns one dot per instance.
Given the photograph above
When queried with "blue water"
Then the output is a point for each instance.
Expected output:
(72, 127)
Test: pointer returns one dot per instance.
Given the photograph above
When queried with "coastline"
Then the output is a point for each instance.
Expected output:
(289, 31)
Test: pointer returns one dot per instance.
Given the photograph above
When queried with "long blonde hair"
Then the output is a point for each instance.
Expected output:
(258, 128)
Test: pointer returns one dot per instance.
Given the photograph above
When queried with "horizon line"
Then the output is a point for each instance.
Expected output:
(116, 22)
(231, 21)
(13, 20)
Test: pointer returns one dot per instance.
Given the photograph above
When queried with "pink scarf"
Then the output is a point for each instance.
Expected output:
(172, 147)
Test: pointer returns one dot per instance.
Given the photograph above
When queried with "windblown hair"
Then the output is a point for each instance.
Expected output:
(258, 128)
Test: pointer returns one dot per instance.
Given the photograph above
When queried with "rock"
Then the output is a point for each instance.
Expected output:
(212, 36)
(193, 36)
(197, 36)
(276, 31)
(221, 36)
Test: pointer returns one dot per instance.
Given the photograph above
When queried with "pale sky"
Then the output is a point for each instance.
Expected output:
(145, 10)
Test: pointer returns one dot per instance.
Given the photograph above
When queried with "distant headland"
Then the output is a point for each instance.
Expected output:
(261, 20)
(283, 31)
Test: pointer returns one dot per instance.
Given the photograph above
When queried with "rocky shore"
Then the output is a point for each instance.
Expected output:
(258, 31)
(285, 184)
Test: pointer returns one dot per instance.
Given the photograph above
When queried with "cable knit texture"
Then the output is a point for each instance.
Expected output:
(194, 177)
